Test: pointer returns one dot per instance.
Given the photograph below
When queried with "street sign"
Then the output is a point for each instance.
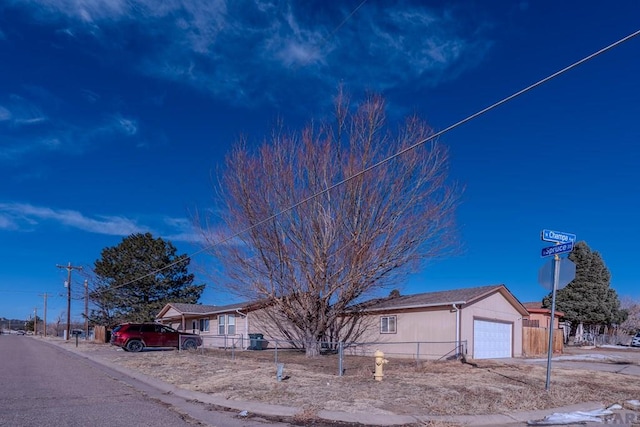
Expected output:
(564, 243)
(567, 273)
(557, 236)
(557, 249)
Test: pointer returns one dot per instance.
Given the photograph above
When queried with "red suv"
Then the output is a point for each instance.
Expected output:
(136, 336)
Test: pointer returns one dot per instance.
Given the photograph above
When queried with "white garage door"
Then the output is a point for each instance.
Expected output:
(491, 340)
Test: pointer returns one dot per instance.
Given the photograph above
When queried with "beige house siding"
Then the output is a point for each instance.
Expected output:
(424, 333)
(172, 312)
(225, 334)
(543, 320)
(267, 322)
(492, 308)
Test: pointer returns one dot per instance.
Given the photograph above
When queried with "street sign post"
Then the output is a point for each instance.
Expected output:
(557, 236)
(563, 244)
(557, 249)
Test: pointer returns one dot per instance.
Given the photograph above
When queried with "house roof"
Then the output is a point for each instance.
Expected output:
(442, 298)
(536, 307)
(192, 308)
(533, 304)
(200, 308)
(463, 296)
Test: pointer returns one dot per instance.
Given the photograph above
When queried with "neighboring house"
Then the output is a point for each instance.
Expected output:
(541, 317)
(536, 341)
(483, 322)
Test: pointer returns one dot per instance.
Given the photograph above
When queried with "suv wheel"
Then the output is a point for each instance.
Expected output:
(135, 346)
(189, 344)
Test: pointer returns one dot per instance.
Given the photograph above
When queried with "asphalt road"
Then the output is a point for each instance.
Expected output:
(43, 385)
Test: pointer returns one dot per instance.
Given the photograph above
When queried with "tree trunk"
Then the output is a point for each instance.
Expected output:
(311, 347)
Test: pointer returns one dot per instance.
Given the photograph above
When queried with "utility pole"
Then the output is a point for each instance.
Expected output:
(86, 309)
(45, 314)
(69, 269)
(35, 321)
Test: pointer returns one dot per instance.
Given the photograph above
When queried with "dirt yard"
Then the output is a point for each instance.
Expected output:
(435, 388)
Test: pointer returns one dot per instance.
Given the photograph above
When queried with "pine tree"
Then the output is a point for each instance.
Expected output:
(588, 299)
(136, 278)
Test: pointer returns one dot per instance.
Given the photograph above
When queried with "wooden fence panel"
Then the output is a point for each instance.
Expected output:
(535, 341)
(100, 334)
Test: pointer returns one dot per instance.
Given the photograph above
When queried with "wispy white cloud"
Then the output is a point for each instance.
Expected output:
(90, 96)
(126, 126)
(25, 217)
(5, 114)
(26, 128)
(253, 49)
(28, 217)
(87, 11)
(182, 230)
(6, 223)
(22, 112)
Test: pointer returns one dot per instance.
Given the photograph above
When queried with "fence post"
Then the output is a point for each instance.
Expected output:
(276, 352)
(418, 354)
(233, 349)
(340, 355)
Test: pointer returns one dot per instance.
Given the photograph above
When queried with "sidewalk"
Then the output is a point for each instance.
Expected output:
(621, 417)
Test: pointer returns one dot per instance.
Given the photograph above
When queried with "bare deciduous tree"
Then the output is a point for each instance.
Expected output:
(632, 323)
(312, 248)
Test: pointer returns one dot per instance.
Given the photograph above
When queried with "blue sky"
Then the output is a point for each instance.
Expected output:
(114, 114)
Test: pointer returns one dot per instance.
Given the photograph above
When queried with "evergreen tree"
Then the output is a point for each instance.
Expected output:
(136, 278)
(588, 299)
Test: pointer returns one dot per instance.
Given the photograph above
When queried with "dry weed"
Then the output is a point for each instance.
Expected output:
(436, 388)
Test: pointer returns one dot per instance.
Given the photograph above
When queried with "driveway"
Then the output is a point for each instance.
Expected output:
(616, 359)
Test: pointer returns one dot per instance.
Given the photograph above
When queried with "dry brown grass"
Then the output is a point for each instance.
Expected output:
(435, 388)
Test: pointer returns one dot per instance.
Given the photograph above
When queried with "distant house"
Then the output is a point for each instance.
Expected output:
(481, 322)
(540, 317)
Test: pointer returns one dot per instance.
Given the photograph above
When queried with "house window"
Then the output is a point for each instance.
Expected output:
(221, 324)
(388, 325)
(226, 324)
(231, 324)
(204, 325)
(194, 324)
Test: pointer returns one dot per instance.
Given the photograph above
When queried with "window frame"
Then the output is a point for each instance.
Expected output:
(390, 319)
(231, 324)
(222, 324)
(204, 324)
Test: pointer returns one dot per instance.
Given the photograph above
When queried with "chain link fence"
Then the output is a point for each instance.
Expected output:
(344, 357)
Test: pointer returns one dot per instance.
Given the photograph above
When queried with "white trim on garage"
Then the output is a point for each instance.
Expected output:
(492, 340)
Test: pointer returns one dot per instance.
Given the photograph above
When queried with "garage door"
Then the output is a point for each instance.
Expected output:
(491, 339)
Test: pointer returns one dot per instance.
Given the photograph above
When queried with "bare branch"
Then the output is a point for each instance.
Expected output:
(314, 261)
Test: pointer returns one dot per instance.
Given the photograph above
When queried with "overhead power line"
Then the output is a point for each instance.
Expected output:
(399, 153)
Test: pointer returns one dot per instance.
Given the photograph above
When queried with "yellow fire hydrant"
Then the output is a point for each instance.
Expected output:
(380, 361)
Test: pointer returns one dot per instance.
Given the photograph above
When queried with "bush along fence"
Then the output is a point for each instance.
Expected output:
(343, 353)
